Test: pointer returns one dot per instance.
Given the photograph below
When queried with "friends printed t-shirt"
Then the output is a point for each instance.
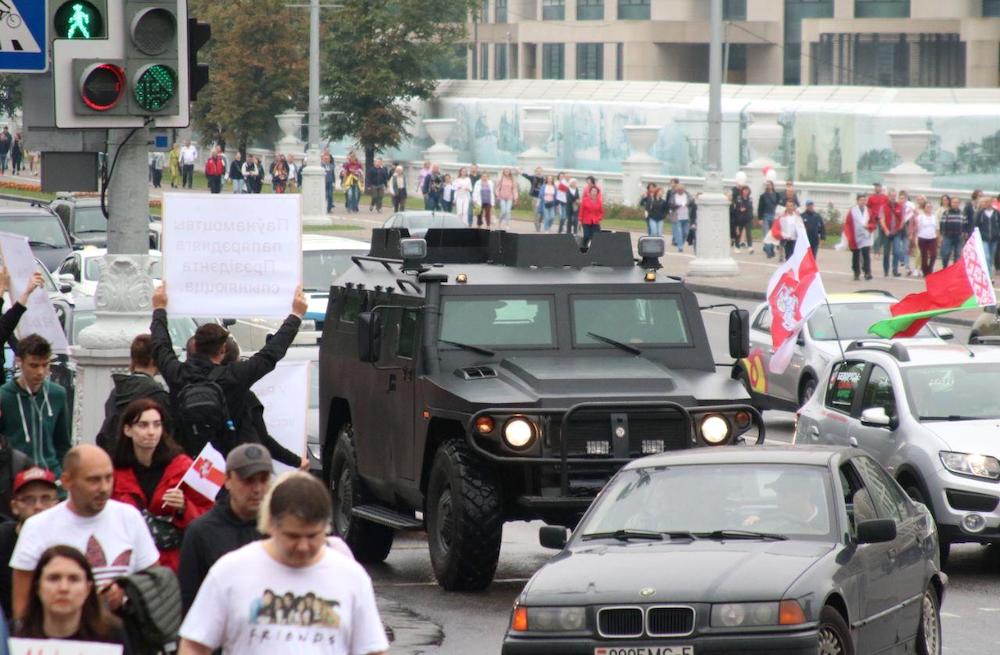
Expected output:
(327, 608)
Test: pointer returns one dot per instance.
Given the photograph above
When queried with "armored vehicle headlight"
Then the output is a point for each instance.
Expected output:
(714, 429)
(519, 432)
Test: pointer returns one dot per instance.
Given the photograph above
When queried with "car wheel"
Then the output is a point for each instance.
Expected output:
(916, 494)
(464, 520)
(806, 389)
(834, 636)
(369, 541)
(929, 632)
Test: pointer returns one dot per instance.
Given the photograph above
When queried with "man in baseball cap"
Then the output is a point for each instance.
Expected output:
(232, 523)
(34, 491)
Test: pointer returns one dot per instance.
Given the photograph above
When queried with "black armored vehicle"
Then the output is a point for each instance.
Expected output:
(474, 377)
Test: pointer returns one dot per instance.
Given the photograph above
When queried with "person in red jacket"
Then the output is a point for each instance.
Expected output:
(591, 213)
(149, 466)
(215, 168)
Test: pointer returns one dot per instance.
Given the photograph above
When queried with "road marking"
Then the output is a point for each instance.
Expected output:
(949, 615)
(989, 609)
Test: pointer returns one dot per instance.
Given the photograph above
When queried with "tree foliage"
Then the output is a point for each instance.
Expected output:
(10, 94)
(258, 58)
(378, 55)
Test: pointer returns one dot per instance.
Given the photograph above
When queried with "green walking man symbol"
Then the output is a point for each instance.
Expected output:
(78, 22)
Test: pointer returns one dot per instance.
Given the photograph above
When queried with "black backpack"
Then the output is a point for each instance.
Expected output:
(204, 417)
(152, 615)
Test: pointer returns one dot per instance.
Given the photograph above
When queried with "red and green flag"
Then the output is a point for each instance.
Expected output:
(966, 284)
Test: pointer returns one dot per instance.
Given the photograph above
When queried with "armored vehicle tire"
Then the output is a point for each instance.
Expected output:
(369, 541)
(464, 521)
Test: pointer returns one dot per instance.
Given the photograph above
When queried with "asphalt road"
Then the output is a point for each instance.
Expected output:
(426, 619)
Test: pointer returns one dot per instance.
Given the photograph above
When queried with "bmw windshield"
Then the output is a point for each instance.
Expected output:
(852, 321)
(953, 392)
(706, 501)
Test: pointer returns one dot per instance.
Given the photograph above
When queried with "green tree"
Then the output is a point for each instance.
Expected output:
(10, 94)
(378, 55)
(258, 64)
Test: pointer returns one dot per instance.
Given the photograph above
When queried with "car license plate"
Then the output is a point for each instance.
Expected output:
(645, 650)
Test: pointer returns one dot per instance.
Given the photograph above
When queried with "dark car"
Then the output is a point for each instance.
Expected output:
(47, 236)
(480, 377)
(417, 222)
(739, 550)
(83, 219)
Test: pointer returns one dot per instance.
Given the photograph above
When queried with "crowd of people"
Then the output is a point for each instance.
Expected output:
(90, 527)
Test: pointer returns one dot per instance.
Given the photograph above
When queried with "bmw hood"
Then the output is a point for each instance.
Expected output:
(981, 436)
(679, 571)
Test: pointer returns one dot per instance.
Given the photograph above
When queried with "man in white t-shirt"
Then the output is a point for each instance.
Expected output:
(112, 535)
(189, 155)
(303, 597)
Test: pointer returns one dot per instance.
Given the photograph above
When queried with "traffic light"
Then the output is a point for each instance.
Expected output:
(198, 35)
(120, 63)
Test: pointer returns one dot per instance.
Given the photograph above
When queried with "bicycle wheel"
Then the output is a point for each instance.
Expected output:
(13, 20)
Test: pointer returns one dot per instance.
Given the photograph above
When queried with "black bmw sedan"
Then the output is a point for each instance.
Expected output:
(739, 550)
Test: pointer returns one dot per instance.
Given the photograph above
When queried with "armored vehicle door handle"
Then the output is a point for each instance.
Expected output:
(392, 382)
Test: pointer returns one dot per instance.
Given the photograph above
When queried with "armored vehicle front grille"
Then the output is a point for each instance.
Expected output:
(619, 621)
(478, 372)
(647, 432)
(669, 621)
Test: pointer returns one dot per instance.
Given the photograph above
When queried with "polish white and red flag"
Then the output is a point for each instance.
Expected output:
(793, 293)
(207, 474)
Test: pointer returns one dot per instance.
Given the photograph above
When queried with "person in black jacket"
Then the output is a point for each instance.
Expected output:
(10, 319)
(987, 219)
(814, 227)
(138, 383)
(237, 377)
(377, 179)
(742, 216)
(433, 188)
(970, 210)
(12, 463)
(536, 181)
(231, 524)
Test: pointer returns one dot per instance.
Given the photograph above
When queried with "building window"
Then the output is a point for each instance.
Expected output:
(553, 61)
(590, 61)
(991, 8)
(500, 62)
(500, 11)
(881, 8)
(619, 61)
(633, 9)
(590, 9)
(484, 61)
(795, 12)
(734, 9)
(484, 16)
(553, 9)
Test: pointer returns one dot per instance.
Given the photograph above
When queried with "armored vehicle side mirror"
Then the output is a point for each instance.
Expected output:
(876, 531)
(552, 536)
(369, 337)
(228, 322)
(739, 334)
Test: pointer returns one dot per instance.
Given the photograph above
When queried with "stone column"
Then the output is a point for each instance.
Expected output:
(909, 175)
(314, 190)
(639, 163)
(440, 129)
(536, 128)
(712, 254)
(764, 136)
(123, 298)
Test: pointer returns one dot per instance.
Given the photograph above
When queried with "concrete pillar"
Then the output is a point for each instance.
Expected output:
(639, 163)
(712, 254)
(610, 61)
(981, 64)
(843, 9)
(314, 190)
(569, 61)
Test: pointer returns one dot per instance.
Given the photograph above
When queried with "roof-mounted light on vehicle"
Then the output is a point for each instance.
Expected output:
(651, 249)
(413, 249)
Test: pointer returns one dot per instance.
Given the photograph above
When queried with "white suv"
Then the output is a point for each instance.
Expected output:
(928, 412)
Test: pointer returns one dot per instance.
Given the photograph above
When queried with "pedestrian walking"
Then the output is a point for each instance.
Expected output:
(547, 195)
(326, 598)
(174, 164)
(644, 202)
(433, 188)
(448, 194)
(878, 207)
(573, 207)
(790, 194)
(424, 172)
(970, 210)
(656, 212)
(251, 174)
(858, 229)
(17, 154)
(329, 178)
(987, 220)
(788, 222)
(149, 467)
(463, 195)
(952, 228)
(680, 216)
(927, 237)
(236, 173)
(397, 187)
(484, 195)
(742, 213)
(6, 141)
(767, 206)
(562, 187)
(34, 491)
(159, 161)
(815, 229)
(188, 157)
(474, 176)
(507, 194)
(215, 168)
(279, 175)
(536, 182)
(591, 214)
(378, 178)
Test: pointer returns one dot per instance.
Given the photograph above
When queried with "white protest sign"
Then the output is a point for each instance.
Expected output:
(20, 646)
(284, 392)
(40, 318)
(233, 256)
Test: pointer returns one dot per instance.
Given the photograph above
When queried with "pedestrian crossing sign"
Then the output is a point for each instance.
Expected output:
(24, 38)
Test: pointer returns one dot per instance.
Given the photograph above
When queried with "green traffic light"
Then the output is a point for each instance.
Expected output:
(155, 87)
(79, 19)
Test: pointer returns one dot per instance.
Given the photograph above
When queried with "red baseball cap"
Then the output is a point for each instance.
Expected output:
(34, 474)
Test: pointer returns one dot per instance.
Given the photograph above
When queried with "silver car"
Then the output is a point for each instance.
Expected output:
(853, 314)
(927, 412)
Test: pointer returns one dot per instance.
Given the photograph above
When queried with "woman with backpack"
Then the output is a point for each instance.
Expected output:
(149, 466)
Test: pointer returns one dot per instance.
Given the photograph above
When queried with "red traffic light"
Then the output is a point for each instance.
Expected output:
(102, 86)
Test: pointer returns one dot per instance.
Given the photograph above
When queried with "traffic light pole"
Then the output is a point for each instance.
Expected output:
(124, 290)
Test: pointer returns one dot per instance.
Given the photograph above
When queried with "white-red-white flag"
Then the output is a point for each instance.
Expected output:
(207, 474)
(794, 292)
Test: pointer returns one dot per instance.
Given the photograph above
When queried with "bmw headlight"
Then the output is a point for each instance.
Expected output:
(973, 465)
(743, 615)
(714, 429)
(549, 619)
(519, 433)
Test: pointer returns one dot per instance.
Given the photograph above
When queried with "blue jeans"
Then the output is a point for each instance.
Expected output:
(353, 197)
(329, 197)
(680, 233)
(505, 208)
(768, 221)
(895, 248)
(239, 186)
(548, 215)
(539, 213)
(655, 228)
(991, 254)
(589, 231)
(950, 246)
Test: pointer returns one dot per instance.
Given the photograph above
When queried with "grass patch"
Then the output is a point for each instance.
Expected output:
(335, 227)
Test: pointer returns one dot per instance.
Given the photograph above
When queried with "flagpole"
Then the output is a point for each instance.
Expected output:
(836, 333)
